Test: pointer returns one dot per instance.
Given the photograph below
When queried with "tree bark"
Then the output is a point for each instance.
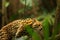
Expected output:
(4, 13)
(56, 27)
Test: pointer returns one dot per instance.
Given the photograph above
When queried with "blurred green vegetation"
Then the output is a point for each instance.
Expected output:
(46, 12)
(31, 32)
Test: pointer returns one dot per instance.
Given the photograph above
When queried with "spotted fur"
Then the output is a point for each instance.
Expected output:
(16, 27)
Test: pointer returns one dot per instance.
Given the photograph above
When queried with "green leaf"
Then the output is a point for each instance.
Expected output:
(14, 16)
(40, 18)
(31, 32)
(7, 4)
(28, 2)
(46, 28)
(21, 10)
(56, 30)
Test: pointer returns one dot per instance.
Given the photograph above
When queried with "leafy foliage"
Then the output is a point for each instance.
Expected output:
(32, 33)
(46, 28)
(48, 7)
(7, 4)
(28, 2)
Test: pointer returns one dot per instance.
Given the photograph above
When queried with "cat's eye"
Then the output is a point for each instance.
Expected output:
(38, 25)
